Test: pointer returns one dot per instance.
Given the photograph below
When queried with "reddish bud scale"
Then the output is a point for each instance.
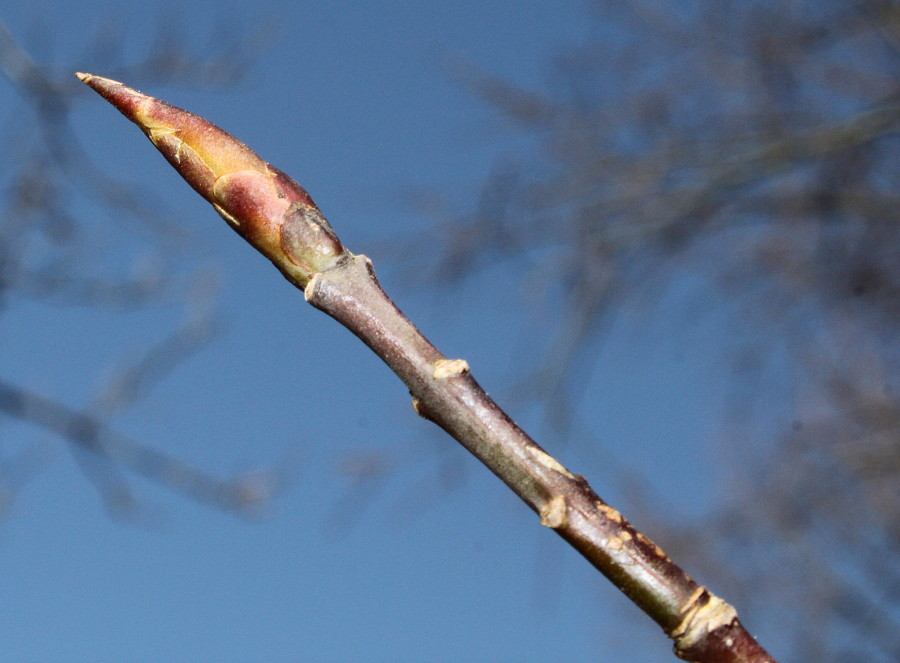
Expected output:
(264, 205)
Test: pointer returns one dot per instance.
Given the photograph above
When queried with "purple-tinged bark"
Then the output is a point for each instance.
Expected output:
(264, 205)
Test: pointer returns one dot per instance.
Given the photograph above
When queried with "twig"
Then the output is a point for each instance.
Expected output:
(279, 219)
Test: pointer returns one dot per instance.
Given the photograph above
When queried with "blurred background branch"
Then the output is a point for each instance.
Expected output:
(50, 255)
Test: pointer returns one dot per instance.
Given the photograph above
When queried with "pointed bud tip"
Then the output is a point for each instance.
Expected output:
(125, 99)
(100, 84)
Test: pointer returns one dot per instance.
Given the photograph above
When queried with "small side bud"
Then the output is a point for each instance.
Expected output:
(265, 206)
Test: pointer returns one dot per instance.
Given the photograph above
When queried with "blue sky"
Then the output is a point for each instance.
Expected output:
(355, 101)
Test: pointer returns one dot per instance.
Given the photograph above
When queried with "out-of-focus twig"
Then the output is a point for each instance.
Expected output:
(241, 494)
(278, 218)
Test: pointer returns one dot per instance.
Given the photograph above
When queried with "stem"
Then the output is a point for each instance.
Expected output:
(704, 627)
(276, 216)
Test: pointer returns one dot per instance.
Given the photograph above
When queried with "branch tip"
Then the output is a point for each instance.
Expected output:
(262, 204)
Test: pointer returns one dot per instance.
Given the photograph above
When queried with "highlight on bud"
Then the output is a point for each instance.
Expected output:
(264, 205)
